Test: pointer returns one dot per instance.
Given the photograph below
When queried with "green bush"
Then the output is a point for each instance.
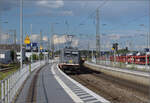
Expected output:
(34, 57)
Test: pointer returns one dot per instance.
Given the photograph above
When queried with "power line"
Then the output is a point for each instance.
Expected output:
(91, 14)
(129, 22)
(97, 35)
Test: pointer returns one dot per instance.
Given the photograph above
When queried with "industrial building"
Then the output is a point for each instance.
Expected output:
(5, 56)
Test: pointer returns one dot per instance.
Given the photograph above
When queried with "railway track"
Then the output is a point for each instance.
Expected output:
(6, 69)
(113, 89)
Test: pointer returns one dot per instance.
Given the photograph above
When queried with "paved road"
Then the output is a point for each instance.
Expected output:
(47, 89)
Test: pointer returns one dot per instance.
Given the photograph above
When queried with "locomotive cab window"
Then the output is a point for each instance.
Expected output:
(75, 53)
(67, 53)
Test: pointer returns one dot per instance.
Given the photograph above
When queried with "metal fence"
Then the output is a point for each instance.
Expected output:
(11, 85)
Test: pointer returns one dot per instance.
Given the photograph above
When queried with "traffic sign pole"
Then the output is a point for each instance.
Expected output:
(21, 32)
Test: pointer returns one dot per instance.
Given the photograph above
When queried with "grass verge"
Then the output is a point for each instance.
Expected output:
(6, 73)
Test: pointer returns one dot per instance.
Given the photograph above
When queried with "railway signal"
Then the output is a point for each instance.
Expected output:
(115, 46)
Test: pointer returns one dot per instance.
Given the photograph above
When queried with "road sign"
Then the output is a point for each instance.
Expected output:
(41, 47)
(27, 40)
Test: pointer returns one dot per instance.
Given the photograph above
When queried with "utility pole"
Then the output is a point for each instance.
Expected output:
(67, 25)
(97, 36)
(146, 64)
(52, 41)
(41, 42)
(40, 45)
(41, 37)
(15, 38)
(31, 45)
(21, 32)
(88, 47)
(15, 45)
(92, 54)
(0, 33)
(48, 47)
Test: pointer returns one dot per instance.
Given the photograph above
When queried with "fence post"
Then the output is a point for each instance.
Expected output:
(10, 87)
(9, 90)
(6, 91)
(2, 91)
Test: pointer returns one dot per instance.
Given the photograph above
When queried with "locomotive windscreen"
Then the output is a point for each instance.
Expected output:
(70, 56)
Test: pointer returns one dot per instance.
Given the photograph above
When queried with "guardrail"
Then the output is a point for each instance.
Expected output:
(11, 85)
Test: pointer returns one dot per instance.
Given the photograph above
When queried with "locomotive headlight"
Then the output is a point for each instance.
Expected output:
(70, 61)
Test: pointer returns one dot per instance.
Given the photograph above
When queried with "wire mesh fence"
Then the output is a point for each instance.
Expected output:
(122, 65)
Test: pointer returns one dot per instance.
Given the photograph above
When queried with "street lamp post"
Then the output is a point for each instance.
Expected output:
(104, 47)
(14, 42)
(52, 41)
(31, 46)
(147, 44)
(21, 32)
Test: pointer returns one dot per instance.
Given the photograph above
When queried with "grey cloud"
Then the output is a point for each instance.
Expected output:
(121, 10)
(6, 5)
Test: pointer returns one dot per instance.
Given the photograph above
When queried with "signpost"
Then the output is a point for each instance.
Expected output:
(27, 40)
(41, 48)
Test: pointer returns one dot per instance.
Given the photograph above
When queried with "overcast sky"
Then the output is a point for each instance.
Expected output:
(119, 19)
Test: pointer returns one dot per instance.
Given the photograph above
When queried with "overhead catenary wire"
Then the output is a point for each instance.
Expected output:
(90, 14)
(121, 24)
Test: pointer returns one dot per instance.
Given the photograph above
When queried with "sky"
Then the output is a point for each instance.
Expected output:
(120, 20)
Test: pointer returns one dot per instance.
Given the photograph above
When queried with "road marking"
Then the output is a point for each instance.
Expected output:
(84, 96)
(89, 98)
(79, 92)
(77, 89)
(75, 98)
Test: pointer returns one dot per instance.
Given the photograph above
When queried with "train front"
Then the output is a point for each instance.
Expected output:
(69, 58)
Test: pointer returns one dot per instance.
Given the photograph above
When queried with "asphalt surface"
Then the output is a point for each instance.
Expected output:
(47, 88)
